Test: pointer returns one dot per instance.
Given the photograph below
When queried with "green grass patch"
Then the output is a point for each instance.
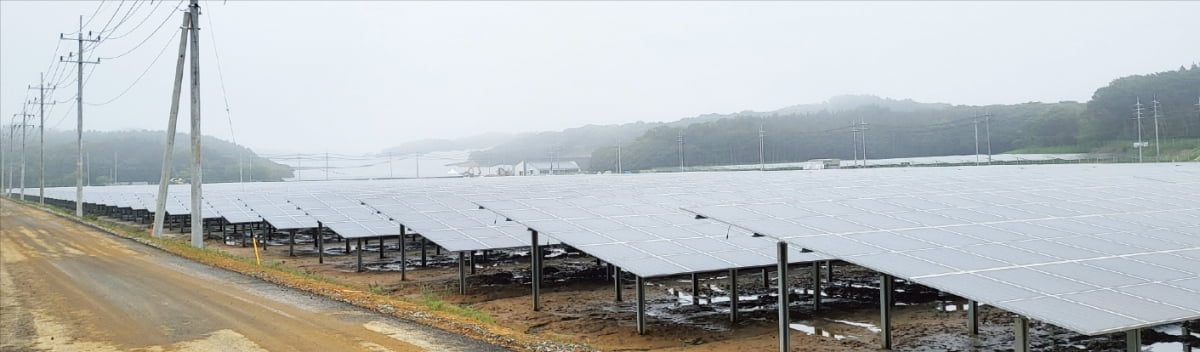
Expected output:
(430, 299)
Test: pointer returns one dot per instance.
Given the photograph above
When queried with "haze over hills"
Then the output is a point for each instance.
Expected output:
(896, 128)
(137, 156)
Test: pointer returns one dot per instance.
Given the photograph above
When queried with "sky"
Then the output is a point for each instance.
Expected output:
(357, 77)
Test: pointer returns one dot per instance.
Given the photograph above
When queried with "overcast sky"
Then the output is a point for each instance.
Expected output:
(355, 77)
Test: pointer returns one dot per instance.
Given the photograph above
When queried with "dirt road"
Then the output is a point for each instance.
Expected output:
(67, 287)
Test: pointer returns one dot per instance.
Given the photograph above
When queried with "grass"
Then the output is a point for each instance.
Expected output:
(377, 288)
(430, 299)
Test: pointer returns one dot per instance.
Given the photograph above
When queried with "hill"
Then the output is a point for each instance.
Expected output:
(137, 156)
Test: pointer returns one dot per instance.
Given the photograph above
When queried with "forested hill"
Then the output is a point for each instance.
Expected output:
(914, 129)
(580, 143)
(138, 156)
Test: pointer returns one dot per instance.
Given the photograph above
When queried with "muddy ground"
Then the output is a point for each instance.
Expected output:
(578, 304)
(68, 287)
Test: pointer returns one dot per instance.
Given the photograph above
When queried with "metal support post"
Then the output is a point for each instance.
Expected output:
(403, 256)
(1021, 334)
(733, 296)
(695, 290)
(472, 262)
(784, 318)
(320, 239)
(816, 290)
(766, 278)
(359, 250)
(535, 270)
(973, 318)
(292, 243)
(381, 247)
(1133, 340)
(617, 282)
(462, 274)
(424, 253)
(640, 291)
(885, 311)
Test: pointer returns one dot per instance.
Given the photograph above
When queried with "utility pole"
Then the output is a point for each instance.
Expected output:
(326, 165)
(862, 128)
(12, 130)
(417, 161)
(88, 157)
(679, 138)
(4, 162)
(976, 140)
(79, 108)
(197, 172)
(854, 140)
(1157, 149)
(1138, 108)
(42, 136)
(391, 169)
(24, 127)
(762, 157)
(114, 167)
(987, 126)
(165, 177)
(619, 170)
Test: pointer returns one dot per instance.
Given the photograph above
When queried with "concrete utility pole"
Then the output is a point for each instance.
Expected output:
(79, 108)
(24, 127)
(619, 170)
(326, 166)
(164, 178)
(42, 136)
(987, 126)
(977, 141)
(417, 161)
(854, 141)
(1157, 149)
(679, 138)
(862, 128)
(4, 162)
(762, 156)
(1138, 109)
(197, 172)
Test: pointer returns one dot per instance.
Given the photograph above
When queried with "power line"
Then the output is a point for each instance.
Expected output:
(139, 25)
(144, 40)
(139, 78)
(224, 96)
(90, 18)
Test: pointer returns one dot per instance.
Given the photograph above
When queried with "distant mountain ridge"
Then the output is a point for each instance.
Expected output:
(580, 142)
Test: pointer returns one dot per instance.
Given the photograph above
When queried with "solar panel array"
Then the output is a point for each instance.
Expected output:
(1093, 249)
(451, 222)
(348, 218)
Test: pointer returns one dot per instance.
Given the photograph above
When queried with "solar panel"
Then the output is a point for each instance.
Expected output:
(451, 222)
(646, 239)
(348, 218)
(1095, 249)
